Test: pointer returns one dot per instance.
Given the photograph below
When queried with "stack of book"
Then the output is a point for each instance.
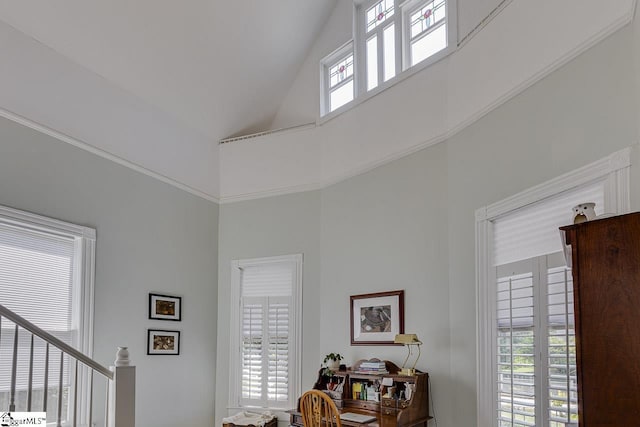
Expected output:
(373, 368)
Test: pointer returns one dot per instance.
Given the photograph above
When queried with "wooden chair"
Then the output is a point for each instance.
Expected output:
(318, 410)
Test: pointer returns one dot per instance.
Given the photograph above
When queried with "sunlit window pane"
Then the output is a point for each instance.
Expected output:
(389, 36)
(428, 45)
(378, 13)
(341, 96)
(372, 62)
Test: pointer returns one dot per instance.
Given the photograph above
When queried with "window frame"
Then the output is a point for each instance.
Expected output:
(235, 341)
(83, 284)
(325, 79)
(615, 171)
(408, 8)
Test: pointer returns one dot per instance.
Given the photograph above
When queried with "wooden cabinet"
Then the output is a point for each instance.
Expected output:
(606, 281)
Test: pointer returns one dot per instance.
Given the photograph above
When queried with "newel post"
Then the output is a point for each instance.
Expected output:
(122, 392)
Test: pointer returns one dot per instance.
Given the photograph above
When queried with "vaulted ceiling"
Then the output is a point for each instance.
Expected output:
(221, 67)
(156, 84)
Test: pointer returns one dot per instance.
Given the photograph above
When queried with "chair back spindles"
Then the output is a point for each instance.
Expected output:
(318, 410)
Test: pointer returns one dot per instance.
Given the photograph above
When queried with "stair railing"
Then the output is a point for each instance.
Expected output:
(120, 379)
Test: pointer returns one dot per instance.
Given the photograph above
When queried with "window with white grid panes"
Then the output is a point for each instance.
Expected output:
(338, 79)
(425, 30)
(380, 41)
(390, 36)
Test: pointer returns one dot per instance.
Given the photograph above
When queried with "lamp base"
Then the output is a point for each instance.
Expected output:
(407, 371)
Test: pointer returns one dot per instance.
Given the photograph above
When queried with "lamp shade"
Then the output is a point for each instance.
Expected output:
(407, 339)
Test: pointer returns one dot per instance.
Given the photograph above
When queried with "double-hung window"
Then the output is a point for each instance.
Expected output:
(266, 332)
(46, 276)
(425, 30)
(337, 71)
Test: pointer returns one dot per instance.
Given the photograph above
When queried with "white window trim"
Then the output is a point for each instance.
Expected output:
(85, 245)
(615, 170)
(234, 336)
(325, 85)
(361, 94)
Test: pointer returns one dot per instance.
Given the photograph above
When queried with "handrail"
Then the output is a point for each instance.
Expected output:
(66, 348)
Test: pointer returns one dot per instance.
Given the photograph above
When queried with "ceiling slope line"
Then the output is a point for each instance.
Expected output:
(279, 131)
(104, 154)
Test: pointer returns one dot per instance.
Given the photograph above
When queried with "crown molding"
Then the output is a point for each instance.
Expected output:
(271, 193)
(104, 154)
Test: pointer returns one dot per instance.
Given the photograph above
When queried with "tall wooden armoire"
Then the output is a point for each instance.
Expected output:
(606, 282)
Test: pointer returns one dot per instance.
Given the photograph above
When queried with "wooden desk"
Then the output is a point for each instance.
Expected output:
(296, 419)
(389, 412)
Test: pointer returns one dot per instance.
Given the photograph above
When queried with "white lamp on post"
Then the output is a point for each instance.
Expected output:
(409, 340)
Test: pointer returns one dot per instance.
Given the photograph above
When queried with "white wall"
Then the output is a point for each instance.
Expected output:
(410, 224)
(40, 84)
(274, 226)
(150, 237)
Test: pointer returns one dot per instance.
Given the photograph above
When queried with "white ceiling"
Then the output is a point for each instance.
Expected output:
(221, 67)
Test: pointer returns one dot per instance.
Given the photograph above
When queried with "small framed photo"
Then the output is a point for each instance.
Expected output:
(377, 318)
(165, 307)
(163, 342)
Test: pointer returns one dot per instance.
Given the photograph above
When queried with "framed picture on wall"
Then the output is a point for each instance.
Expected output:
(377, 318)
(163, 342)
(165, 307)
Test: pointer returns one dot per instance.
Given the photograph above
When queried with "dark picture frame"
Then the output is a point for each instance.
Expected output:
(163, 342)
(376, 318)
(165, 307)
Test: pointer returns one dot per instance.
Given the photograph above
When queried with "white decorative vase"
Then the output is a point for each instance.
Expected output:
(334, 365)
(584, 212)
(122, 357)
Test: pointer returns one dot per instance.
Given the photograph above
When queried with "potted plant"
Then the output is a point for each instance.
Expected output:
(331, 363)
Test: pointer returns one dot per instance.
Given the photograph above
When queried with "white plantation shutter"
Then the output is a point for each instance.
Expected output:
(278, 368)
(536, 383)
(516, 345)
(562, 382)
(267, 321)
(252, 349)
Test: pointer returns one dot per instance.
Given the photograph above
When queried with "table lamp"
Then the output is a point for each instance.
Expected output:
(409, 340)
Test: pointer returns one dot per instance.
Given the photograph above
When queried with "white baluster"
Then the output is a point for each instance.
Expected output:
(59, 424)
(46, 378)
(75, 396)
(30, 390)
(12, 405)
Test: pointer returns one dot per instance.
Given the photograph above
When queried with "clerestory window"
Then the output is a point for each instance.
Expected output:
(390, 37)
(338, 78)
